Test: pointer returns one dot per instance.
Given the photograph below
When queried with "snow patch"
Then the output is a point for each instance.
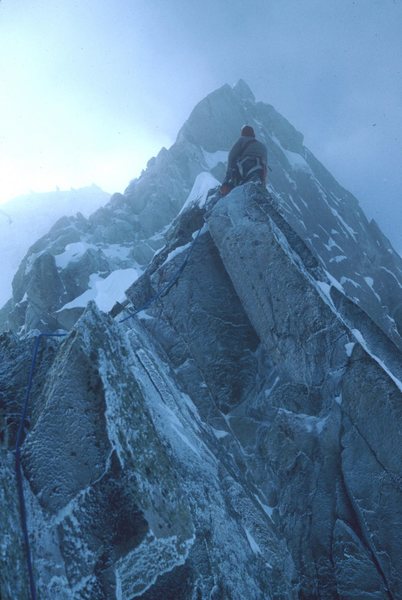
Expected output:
(351, 281)
(198, 195)
(347, 228)
(24, 220)
(267, 509)
(105, 291)
(325, 288)
(253, 544)
(117, 251)
(72, 253)
(30, 261)
(269, 390)
(24, 299)
(359, 337)
(331, 244)
(370, 283)
(338, 259)
(176, 252)
(219, 433)
(296, 161)
(391, 273)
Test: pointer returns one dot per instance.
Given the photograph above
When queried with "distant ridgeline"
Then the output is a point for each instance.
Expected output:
(95, 258)
(241, 437)
(26, 218)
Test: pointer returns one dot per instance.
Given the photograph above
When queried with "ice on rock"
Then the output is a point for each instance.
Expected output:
(338, 259)
(297, 161)
(128, 231)
(27, 218)
(242, 439)
(72, 252)
(198, 195)
(105, 291)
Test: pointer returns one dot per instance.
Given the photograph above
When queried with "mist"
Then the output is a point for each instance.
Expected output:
(92, 90)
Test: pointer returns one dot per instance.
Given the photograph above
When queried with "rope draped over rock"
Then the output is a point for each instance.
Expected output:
(169, 284)
(18, 470)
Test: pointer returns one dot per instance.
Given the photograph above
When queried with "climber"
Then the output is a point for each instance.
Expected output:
(247, 161)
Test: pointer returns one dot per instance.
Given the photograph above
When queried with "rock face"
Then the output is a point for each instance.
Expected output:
(238, 439)
(26, 218)
(82, 259)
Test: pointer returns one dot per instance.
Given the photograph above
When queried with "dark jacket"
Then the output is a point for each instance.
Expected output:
(245, 146)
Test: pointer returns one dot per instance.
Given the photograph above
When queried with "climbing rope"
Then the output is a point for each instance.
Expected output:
(18, 469)
(169, 284)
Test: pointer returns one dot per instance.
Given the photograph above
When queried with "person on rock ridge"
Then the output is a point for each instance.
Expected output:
(247, 161)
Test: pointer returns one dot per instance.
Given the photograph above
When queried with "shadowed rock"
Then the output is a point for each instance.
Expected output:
(239, 438)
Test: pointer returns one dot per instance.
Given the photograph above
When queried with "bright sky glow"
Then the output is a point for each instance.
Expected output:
(90, 90)
(64, 121)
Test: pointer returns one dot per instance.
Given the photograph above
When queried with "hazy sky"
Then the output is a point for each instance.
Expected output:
(91, 89)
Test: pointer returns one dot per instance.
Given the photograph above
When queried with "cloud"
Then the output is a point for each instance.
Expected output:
(83, 82)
